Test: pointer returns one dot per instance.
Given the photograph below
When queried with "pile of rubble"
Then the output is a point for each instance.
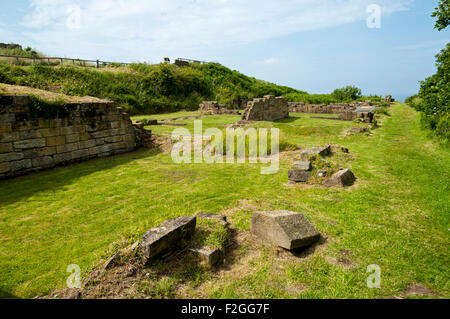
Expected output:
(302, 170)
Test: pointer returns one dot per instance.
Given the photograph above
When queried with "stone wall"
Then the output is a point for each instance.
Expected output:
(84, 131)
(334, 108)
(347, 111)
(213, 107)
(269, 108)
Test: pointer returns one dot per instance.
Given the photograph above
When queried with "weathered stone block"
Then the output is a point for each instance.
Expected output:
(105, 148)
(67, 148)
(80, 154)
(8, 157)
(6, 147)
(39, 142)
(5, 167)
(298, 176)
(72, 138)
(302, 165)
(62, 158)
(286, 229)
(5, 127)
(56, 140)
(20, 165)
(208, 256)
(171, 235)
(85, 137)
(9, 137)
(342, 178)
(86, 144)
(48, 132)
(321, 151)
(44, 161)
(93, 151)
(45, 151)
(100, 134)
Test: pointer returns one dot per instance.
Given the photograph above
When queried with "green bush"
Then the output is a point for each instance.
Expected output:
(433, 100)
(347, 93)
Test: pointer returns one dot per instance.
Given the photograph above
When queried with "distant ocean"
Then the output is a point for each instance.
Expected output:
(401, 97)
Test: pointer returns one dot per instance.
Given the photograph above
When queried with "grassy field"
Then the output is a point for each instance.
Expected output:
(396, 216)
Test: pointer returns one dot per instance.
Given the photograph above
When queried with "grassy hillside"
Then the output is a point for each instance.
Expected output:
(149, 89)
(143, 89)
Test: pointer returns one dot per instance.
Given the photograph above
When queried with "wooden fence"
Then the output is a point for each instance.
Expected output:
(60, 61)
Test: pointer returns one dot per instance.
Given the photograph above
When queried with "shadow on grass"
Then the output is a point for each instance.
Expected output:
(22, 187)
(7, 295)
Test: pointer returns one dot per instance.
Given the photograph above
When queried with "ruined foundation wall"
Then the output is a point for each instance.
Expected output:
(81, 132)
(213, 108)
(334, 108)
(269, 108)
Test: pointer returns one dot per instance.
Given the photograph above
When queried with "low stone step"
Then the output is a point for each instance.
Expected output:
(286, 229)
(171, 235)
(342, 178)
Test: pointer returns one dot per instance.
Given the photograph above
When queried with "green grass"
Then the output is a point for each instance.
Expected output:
(396, 216)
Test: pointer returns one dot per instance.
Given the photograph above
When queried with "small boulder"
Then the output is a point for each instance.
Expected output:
(342, 178)
(171, 235)
(208, 256)
(298, 176)
(302, 165)
(289, 230)
(321, 151)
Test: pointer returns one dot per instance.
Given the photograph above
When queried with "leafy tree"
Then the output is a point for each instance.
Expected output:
(433, 100)
(347, 93)
(442, 13)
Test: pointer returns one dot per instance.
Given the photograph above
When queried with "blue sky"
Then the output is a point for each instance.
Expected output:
(312, 45)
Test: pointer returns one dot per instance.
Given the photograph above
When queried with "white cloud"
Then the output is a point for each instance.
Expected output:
(271, 61)
(138, 29)
(423, 45)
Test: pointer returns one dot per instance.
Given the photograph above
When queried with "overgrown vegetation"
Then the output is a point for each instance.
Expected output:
(160, 88)
(26, 53)
(433, 99)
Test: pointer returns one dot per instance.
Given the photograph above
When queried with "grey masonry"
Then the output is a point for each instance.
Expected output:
(87, 131)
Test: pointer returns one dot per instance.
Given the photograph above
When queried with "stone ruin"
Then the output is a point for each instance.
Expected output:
(214, 108)
(289, 230)
(301, 171)
(268, 108)
(361, 111)
(80, 131)
(176, 234)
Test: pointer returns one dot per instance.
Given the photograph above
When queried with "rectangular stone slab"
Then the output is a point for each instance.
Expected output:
(289, 230)
(342, 178)
(171, 235)
(302, 165)
(298, 176)
(209, 257)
